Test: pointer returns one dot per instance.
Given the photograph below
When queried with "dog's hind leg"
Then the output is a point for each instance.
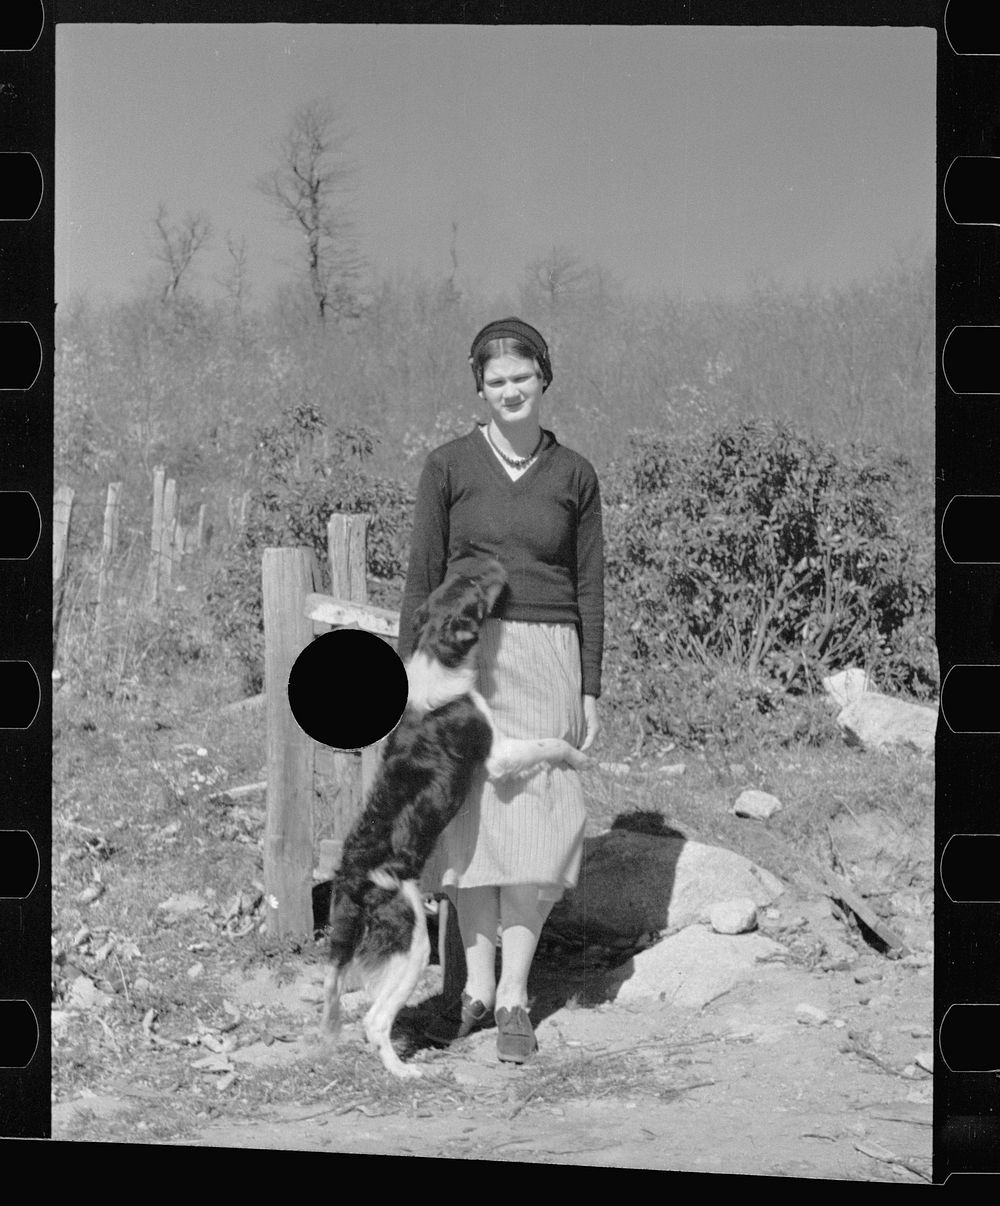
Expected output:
(394, 983)
(333, 988)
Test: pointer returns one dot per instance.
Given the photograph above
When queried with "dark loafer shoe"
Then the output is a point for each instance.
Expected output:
(516, 1040)
(459, 1020)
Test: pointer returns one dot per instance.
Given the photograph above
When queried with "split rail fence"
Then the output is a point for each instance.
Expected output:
(170, 542)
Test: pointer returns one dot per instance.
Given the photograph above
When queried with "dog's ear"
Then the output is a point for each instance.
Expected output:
(492, 581)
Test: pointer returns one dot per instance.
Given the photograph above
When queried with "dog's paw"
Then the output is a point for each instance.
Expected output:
(576, 758)
(496, 768)
(403, 1071)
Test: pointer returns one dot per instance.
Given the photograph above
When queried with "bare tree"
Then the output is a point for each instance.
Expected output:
(310, 187)
(555, 276)
(236, 282)
(178, 245)
(452, 291)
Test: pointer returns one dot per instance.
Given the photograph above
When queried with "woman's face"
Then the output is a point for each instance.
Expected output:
(512, 388)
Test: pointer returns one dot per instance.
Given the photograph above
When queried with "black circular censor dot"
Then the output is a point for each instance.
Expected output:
(347, 689)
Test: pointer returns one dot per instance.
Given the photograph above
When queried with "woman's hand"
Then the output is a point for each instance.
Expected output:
(591, 721)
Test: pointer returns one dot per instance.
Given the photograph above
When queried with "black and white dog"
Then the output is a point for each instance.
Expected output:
(377, 919)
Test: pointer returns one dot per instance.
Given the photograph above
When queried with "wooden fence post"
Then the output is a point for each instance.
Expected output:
(288, 576)
(199, 540)
(62, 510)
(157, 534)
(347, 548)
(180, 536)
(169, 534)
(347, 551)
(109, 545)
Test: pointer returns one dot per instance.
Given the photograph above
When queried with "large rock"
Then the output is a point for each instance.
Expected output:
(847, 686)
(879, 721)
(635, 883)
(691, 968)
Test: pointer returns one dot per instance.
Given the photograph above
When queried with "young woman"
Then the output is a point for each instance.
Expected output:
(508, 489)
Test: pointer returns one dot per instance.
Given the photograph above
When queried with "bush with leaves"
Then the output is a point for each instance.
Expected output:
(744, 567)
(304, 474)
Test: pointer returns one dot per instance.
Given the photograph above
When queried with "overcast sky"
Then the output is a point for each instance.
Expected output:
(683, 159)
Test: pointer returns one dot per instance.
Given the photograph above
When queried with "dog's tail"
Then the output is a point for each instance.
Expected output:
(383, 877)
(347, 912)
(394, 879)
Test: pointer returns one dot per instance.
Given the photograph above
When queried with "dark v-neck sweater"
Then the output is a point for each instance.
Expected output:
(544, 527)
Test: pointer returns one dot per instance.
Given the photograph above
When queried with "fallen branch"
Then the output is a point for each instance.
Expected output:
(906, 1121)
(853, 1048)
(237, 793)
(839, 890)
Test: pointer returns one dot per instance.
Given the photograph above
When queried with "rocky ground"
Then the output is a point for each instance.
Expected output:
(798, 1046)
(781, 1060)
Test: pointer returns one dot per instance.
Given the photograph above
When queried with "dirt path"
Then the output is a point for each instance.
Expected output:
(750, 1083)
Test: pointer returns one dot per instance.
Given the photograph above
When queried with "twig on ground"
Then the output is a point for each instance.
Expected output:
(111, 1038)
(884, 1156)
(854, 1048)
(121, 972)
(343, 1108)
(901, 1118)
(591, 1058)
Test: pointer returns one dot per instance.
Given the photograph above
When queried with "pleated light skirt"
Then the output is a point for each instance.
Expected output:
(529, 829)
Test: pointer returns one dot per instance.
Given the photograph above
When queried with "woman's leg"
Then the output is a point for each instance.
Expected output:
(478, 912)
(522, 915)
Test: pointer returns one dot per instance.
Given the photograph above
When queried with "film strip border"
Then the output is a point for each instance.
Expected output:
(967, 982)
(967, 829)
(27, 70)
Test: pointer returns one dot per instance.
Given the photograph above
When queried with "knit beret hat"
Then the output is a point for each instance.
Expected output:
(512, 328)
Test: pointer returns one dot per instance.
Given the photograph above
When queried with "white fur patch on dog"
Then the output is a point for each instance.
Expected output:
(384, 879)
(432, 685)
